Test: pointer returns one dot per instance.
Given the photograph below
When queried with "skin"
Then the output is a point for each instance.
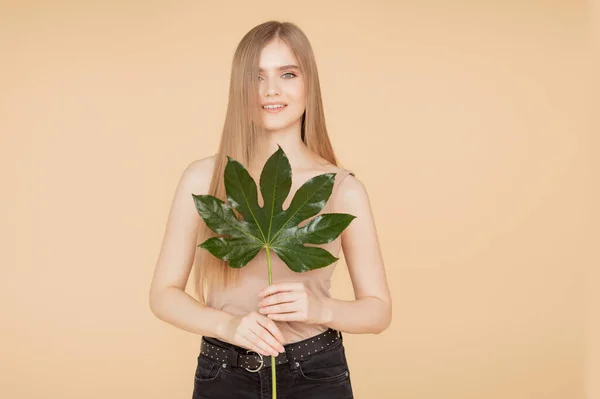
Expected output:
(284, 127)
(369, 312)
(295, 301)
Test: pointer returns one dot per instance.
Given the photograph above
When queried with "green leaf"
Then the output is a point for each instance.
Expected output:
(271, 226)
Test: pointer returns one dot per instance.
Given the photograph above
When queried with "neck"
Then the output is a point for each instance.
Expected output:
(289, 139)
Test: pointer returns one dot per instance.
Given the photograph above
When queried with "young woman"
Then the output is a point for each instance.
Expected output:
(274, 99)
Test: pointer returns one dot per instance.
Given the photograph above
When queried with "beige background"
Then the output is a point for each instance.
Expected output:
(468, 123)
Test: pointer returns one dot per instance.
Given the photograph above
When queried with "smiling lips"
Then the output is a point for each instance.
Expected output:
(274, 108)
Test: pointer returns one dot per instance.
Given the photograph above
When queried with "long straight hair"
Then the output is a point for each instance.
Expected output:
(243, 128)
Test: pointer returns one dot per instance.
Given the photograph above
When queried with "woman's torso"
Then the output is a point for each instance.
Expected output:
(242, 298)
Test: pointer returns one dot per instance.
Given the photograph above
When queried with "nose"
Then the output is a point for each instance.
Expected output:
(272, 87)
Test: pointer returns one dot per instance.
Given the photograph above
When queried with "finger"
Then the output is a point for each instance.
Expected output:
(279, 308)
(266, 342)
(248, 344)
(272, 328)
(281, 297)
(265, 335)
(259, 346)
(272, 341)
(277, 287)
(292, 316)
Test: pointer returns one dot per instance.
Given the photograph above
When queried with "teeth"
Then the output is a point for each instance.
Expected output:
(273, 106)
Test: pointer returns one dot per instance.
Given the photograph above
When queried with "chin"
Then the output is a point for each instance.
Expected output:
(273, 128)
(278, 125)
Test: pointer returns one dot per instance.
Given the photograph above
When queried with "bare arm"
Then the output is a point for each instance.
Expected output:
(167, 297)
(371, 311)
(176, 307)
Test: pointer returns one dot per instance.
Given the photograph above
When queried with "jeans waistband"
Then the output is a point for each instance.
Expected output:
(237, 356)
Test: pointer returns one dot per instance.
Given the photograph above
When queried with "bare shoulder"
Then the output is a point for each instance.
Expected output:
(324, 166)
(179, 241)
(351, 195)
(349, 182)
(350, 185)
(197, 175)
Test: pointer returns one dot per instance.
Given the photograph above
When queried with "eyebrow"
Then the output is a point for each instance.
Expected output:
(281, 68)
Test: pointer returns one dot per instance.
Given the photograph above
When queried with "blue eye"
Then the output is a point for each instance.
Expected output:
(287, 73)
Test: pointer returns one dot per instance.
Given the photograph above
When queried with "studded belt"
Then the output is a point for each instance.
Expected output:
(253, 362)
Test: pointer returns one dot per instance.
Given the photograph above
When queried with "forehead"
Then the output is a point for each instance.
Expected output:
(275, 54)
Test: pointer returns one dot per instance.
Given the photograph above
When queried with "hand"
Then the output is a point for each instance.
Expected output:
(293, 301)
(255, 332)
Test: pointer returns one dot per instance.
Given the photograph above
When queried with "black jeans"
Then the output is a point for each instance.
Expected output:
(322, 375)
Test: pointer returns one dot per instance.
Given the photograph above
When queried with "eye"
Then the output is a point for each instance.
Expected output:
(287, 73)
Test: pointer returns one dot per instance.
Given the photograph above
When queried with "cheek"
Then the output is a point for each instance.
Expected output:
(297, 92)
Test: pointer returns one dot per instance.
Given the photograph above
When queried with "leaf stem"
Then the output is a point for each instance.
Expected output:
(273, 371)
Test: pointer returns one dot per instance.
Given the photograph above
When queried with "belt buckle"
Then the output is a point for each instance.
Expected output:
(262, 362)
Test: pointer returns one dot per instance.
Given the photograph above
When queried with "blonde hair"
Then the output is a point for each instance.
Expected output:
(242, 127)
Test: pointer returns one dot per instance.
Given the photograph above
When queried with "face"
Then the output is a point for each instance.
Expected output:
(283, 86)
